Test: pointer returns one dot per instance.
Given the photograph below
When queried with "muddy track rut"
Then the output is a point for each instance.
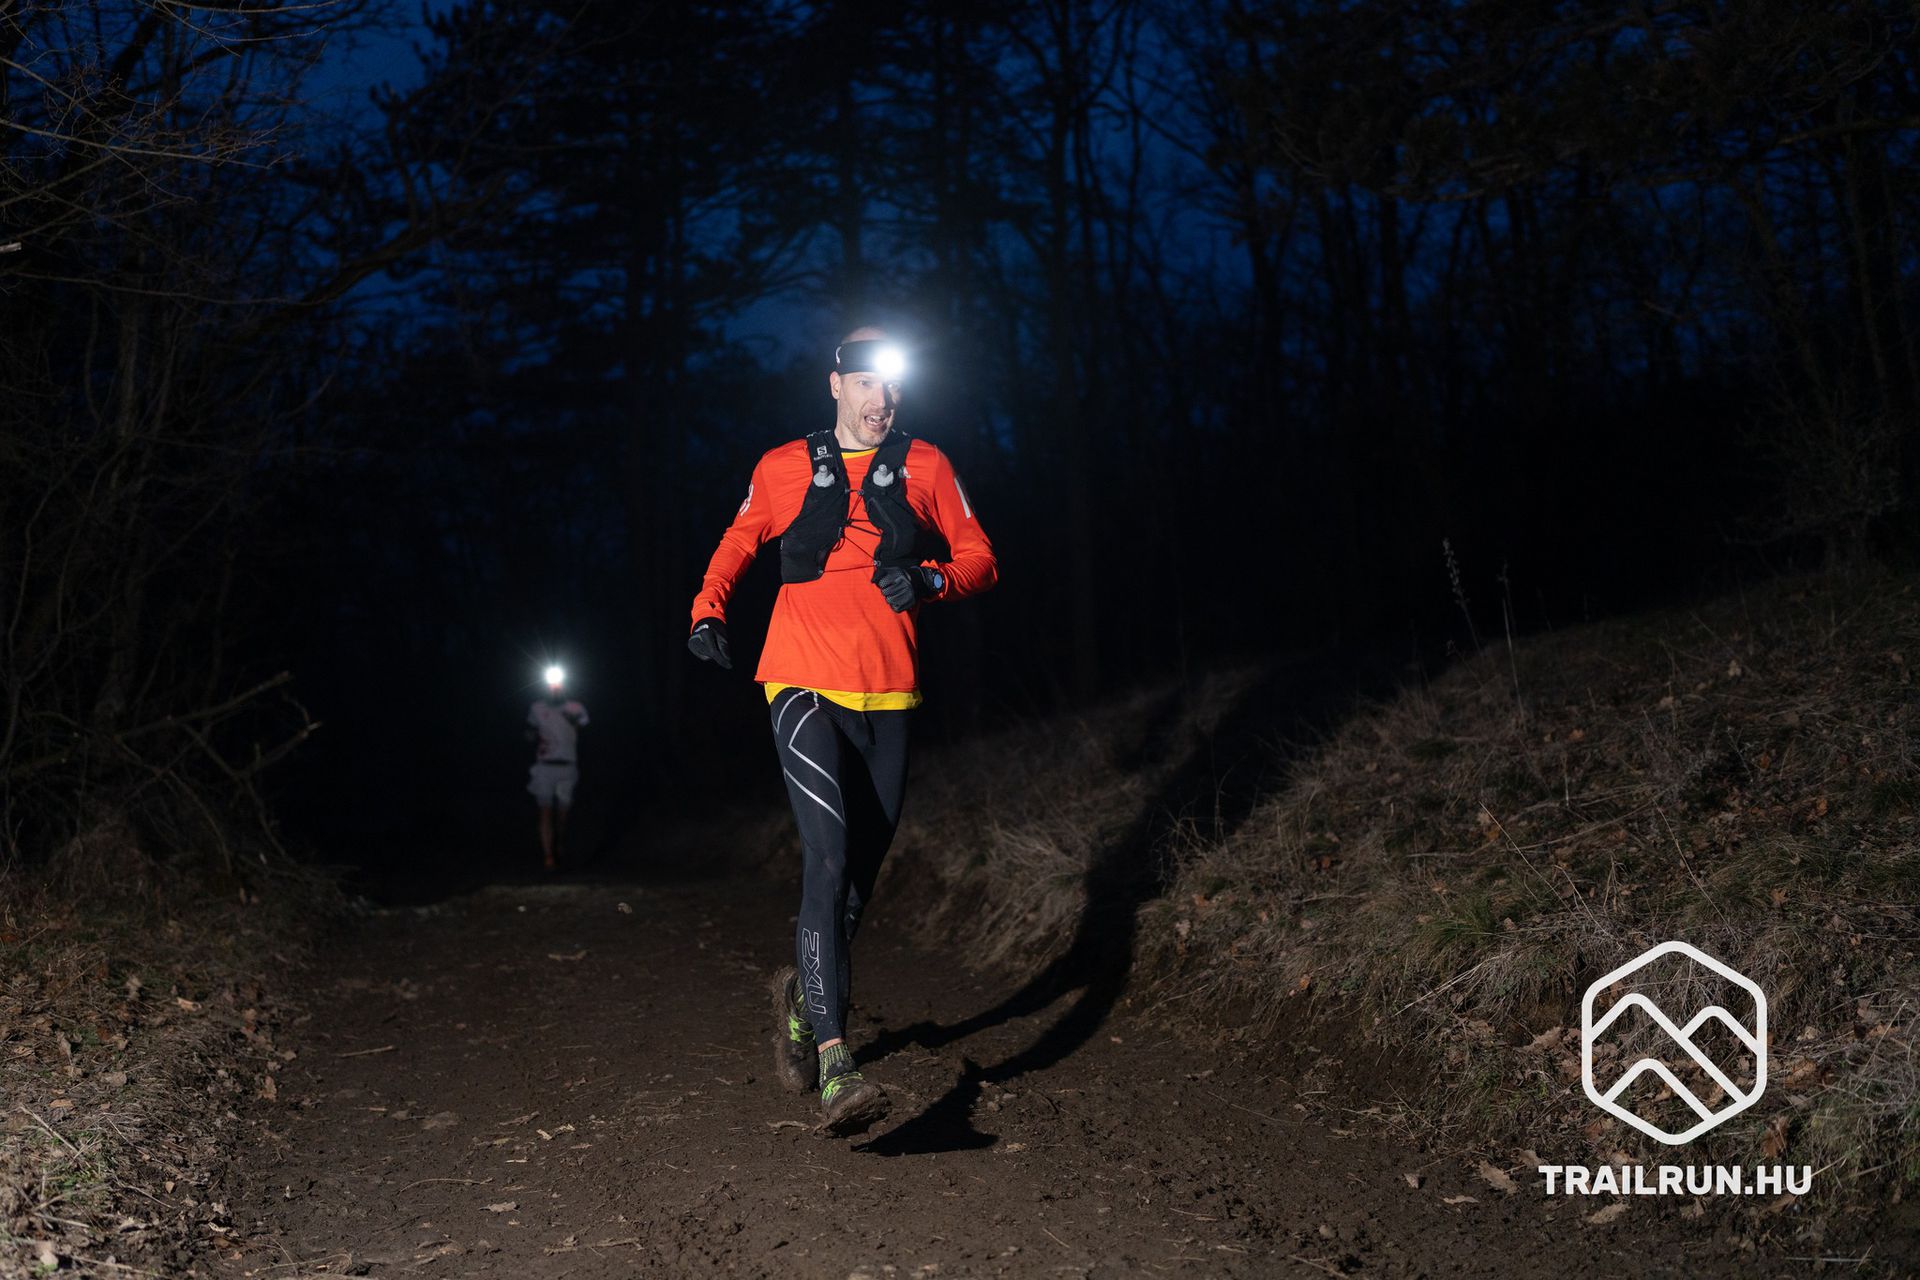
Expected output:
(573, 1081)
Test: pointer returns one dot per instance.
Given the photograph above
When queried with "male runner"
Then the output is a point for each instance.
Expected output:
(553, 724)
(871, 524)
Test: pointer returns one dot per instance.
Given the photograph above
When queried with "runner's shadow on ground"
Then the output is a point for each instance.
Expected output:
(1227, 773)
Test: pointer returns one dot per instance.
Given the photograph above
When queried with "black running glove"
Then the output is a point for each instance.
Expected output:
(905, 588)
(709, 643)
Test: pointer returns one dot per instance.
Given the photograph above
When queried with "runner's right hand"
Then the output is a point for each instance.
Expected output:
(709, 643)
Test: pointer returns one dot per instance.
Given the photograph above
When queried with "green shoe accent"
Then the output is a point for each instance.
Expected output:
(837, 1085)
(849, 1102)
(796, 1064)
(799, 1030)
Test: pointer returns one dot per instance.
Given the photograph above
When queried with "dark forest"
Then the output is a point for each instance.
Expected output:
(1391, 333)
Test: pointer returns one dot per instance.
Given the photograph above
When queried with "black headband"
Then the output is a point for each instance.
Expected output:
(862, 356)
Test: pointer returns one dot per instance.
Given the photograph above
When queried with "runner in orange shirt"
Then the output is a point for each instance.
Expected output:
(872, 523)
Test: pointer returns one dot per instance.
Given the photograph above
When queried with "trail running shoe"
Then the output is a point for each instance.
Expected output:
(795, 1061)
(849, 1102)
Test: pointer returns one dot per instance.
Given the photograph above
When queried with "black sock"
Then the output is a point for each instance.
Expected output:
(835, 1060)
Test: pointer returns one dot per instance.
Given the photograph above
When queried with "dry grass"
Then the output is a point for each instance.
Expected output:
(1452, 867)
(1461, 863)
(1010, 826)
(135, 1016)
(1464, 862)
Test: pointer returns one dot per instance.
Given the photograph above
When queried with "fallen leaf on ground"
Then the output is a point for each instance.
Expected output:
(1459, 1200)
(1802, 1071)
(505, 1206)
(1497, 1178)
(578, 955)
(441, 1120)
(1611, 1213)
(1413, 1180)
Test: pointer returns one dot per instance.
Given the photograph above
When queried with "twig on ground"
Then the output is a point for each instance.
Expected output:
(1249, 1110)
(465, 1182)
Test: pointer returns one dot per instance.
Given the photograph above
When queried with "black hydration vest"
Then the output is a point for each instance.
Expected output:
(827, 509)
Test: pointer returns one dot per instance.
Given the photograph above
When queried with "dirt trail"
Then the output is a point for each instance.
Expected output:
(573, 1081)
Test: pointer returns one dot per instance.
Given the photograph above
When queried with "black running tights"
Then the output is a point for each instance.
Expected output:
(846, 775)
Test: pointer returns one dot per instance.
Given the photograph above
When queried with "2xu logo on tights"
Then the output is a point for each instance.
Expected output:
(810, 980)
(1674, 1042)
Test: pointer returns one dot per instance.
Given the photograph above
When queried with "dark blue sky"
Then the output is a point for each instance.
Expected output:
(1194, 243)
(354, 62)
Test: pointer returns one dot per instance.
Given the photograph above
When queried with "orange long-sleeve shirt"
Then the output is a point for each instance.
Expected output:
(837, 634)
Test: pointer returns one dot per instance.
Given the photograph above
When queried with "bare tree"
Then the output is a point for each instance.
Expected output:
(169, 314)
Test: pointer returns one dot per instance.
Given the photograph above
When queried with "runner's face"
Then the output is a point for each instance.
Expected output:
(866, 407)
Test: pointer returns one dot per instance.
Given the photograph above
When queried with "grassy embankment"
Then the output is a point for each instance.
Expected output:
(137, 1013)
(1445, 871)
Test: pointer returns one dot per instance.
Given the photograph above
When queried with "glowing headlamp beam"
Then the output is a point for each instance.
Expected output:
(556, 676)
(871, 355)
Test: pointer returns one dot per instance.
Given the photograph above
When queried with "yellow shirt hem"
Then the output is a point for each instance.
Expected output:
(899, 700)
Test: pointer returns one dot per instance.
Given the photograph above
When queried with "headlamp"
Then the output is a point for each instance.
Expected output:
(871, 355)
(556, 676)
